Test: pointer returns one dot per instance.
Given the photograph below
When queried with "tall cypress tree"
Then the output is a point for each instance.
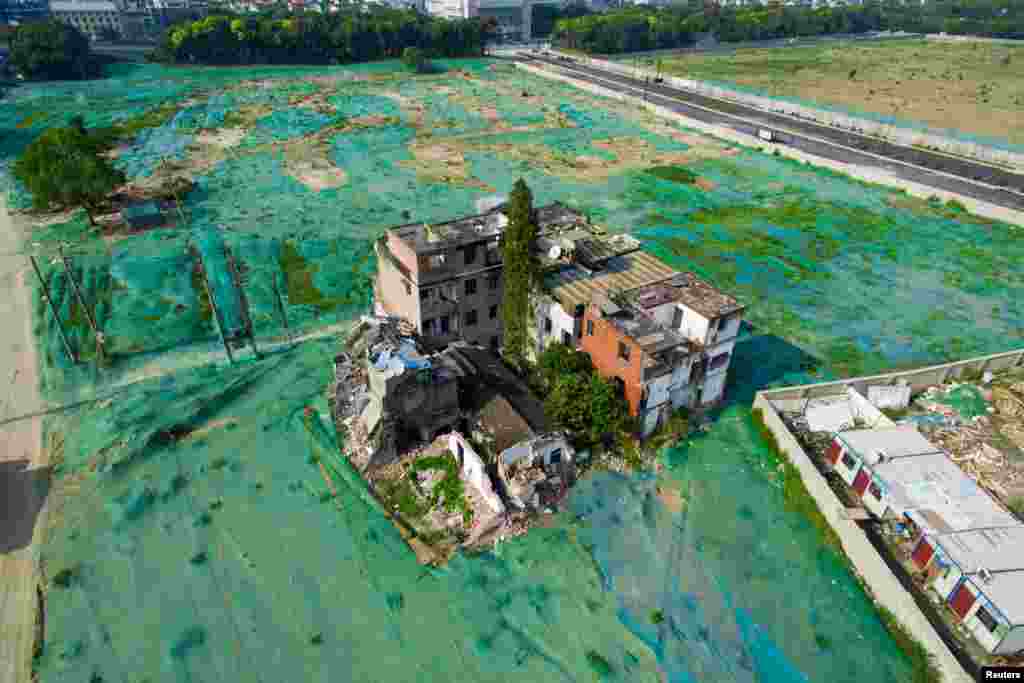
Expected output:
(520, 271)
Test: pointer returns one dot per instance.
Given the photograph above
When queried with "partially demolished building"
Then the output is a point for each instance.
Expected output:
(396, 401)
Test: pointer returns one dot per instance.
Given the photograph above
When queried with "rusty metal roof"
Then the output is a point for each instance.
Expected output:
(576, 285)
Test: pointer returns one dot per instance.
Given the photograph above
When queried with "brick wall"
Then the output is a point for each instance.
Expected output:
(603, 347)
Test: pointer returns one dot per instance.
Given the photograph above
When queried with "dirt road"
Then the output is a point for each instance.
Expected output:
(22, 473)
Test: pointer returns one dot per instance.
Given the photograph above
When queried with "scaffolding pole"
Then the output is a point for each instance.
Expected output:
(282, 307)
(213, 307)
(81, 302)
(243, 301)
(53, 309)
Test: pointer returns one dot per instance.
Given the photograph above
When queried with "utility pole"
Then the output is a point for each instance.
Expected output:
(53, 309)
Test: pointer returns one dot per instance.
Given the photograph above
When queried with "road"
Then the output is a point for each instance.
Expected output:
(23, 476)
(952, 174)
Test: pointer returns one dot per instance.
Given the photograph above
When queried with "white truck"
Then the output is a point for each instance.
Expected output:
(766, 134)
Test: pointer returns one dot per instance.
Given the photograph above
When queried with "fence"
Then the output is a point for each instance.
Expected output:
(917, 379)
(864, 126)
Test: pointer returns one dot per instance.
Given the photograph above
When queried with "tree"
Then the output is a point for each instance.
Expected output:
(51, 50)
(520, 271)
(579, 400)
(64, 168)
(558, 360)
(415, 60)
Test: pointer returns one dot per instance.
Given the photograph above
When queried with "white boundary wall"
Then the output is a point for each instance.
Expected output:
(881, 583)
(918, 379)
(867, 174)
(884, 586)
(897, 134)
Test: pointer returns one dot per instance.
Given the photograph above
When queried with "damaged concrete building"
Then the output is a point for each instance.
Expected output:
(394, 397)
(537, 473)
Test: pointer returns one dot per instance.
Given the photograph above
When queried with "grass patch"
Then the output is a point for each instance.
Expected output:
(400, 492)
(600, 665)
(450, 487)
(896, 414)
(923, 663)
(1016, 505)
(675, 174)
(298, 274)
(132, 126)
(795, 494)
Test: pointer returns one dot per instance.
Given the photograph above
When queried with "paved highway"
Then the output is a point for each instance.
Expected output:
(953, 174)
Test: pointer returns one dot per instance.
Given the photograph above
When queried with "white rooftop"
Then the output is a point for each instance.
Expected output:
(892, 442)
(933, 492)
(996, 549)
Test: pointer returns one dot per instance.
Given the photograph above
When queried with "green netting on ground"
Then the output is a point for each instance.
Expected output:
(208, 485)
(966, 400)
(283, 125)
(236, 555)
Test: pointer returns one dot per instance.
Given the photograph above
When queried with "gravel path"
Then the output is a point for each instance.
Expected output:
(22, 477)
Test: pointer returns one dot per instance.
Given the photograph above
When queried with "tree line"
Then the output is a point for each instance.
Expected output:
(634, 29)
(345, 37)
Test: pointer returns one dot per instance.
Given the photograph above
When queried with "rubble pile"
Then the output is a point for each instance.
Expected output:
(981, 426)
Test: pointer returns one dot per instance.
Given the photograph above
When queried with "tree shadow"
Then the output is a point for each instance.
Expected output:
(22, 494)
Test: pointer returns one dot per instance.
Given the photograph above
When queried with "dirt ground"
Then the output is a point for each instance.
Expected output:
(22, 479)
(972, 87)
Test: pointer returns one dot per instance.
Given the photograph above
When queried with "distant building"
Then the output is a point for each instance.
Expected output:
(88, 16)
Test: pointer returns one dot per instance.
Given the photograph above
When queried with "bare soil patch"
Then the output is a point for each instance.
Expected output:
(971, 87)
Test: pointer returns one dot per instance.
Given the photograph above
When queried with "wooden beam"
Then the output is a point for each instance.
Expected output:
(68, 271)
(53, 309)
(213, 306)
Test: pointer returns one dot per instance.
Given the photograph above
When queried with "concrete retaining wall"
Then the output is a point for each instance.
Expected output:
(893, 133)
(871, 175)
(973, 39)
(879, 579)
(918, 379)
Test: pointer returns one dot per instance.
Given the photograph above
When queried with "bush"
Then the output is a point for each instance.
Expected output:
(415, 60)
(1016, 506)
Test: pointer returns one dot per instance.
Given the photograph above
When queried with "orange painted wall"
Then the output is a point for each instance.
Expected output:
(603, 348)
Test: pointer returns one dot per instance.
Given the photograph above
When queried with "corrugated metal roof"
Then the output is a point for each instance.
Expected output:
(575, 285)
(892, 442)
(996, 549)
(938, 496)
